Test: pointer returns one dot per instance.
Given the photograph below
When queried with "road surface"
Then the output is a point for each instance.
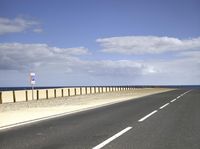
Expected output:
(169, 120)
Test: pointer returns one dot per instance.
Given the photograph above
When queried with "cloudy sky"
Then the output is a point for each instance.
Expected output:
(100, 42)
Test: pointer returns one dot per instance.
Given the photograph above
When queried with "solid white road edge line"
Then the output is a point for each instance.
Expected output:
(164, 106)
(112, 138)
(148, 115)
(54, 116)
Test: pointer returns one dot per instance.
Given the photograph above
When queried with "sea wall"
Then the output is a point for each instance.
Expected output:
(37, 94)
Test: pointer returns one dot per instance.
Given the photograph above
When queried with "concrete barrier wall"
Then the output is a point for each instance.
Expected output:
(50, 93)
(58, 93)
(65, 92)
(20, 96)
(42, 94)
(7, 96)
(26, 95)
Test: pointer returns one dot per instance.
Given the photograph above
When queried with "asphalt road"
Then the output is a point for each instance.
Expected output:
(160, 121)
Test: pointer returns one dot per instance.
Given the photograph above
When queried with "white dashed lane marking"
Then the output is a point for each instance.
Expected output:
(148, 115)
(112, 138)
(164, 106)
(140, 120)
(173, 100)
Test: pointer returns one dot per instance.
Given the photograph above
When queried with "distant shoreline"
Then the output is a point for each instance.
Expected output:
(135, 86)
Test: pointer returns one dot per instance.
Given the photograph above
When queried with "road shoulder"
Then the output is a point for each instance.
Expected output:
(14, 114)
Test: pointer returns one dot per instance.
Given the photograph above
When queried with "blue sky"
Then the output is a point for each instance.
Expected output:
(93, 42)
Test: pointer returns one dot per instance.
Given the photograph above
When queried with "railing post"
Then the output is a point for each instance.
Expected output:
(1, 98)
(86, 90)
(47, 95)
(80, 90)
(37, 94)
(74, 91)
(90, 90)
(62, 92)
(14, 98)
(68, 92)
(55, 93)
(94, 89)
(26, 92)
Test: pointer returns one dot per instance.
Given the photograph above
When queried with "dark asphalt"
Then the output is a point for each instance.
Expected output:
(177, 126)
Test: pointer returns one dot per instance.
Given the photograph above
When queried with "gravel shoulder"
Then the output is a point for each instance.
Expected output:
(12, 113)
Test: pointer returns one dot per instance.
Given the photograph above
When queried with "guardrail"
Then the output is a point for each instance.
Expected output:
(26, 95)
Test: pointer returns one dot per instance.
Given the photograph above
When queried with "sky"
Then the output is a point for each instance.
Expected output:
(99, 42)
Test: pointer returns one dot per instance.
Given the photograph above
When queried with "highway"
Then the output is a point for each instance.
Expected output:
(169, 120)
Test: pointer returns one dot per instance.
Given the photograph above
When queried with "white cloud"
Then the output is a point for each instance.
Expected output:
(147, 44)
(116, 68)
(195, 55)
(20, 56)
(64, 65)
(163, 72)
(181, 71)
(17, 24)
(37, 30)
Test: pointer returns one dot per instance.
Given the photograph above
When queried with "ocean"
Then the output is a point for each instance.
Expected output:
(135, 86)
